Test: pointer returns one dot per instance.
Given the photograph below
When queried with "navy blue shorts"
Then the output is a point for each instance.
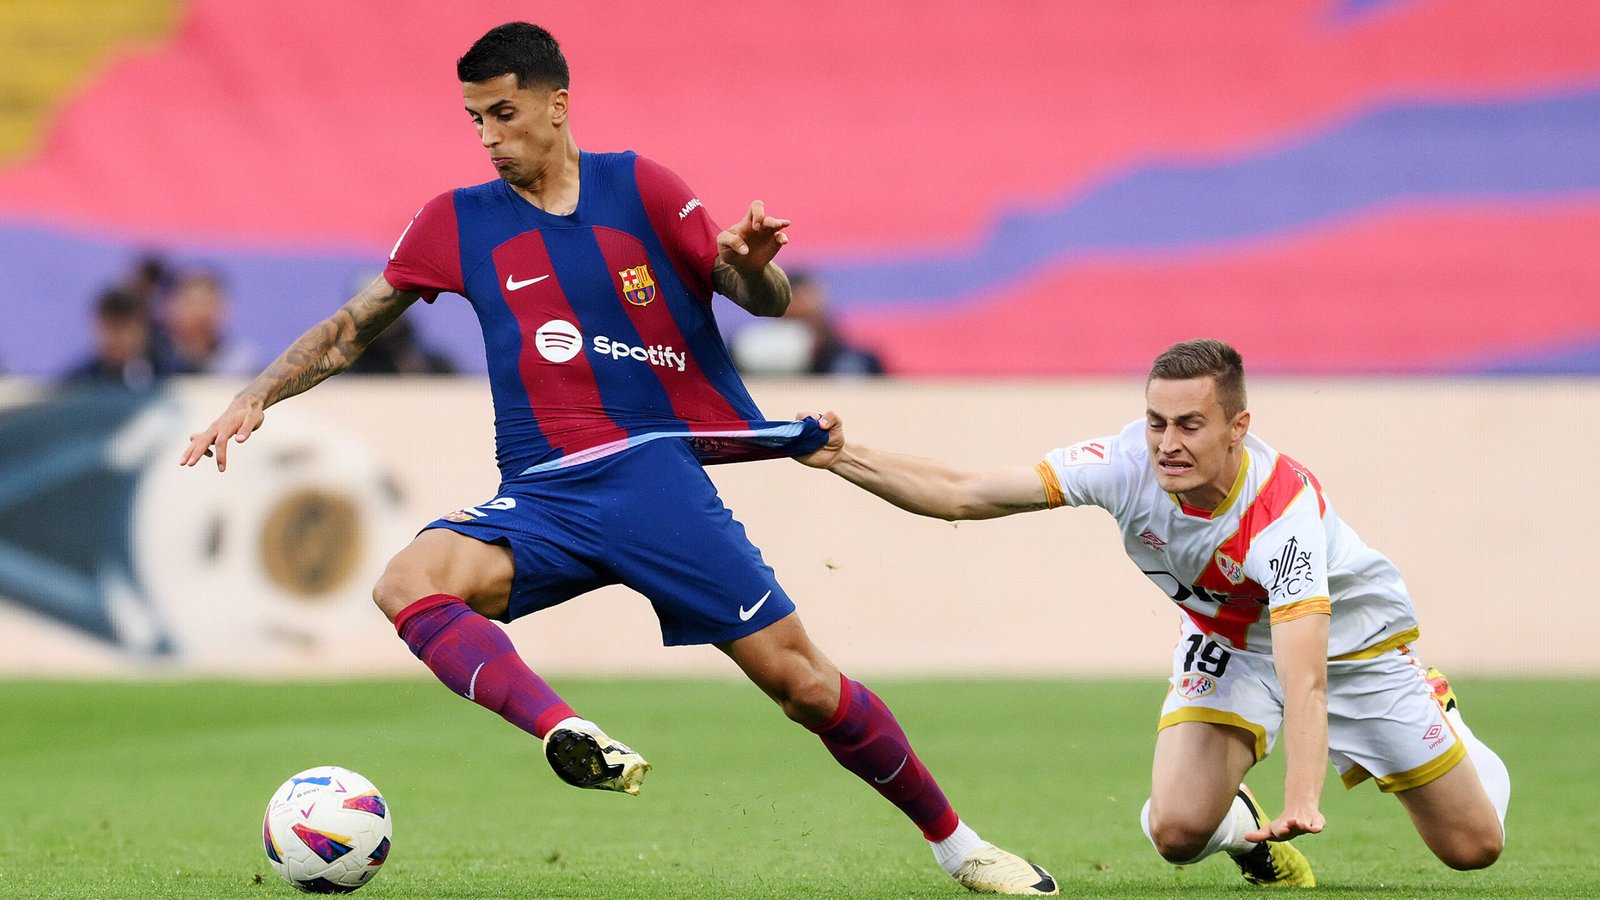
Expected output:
(649, 518)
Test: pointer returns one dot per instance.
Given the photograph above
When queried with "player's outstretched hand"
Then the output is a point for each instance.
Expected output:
(1288, 825)
(750, 243)
(826, 455)
(242, 417)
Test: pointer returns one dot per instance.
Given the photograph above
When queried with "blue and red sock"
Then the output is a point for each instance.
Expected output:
(865, 738)
(474, 657)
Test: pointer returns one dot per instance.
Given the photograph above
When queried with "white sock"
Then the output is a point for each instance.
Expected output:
(576, 723)
(1228, 838)
(954, 850)
(1491, 770)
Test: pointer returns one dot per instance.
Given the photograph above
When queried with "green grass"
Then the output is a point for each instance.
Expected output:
(157, 789)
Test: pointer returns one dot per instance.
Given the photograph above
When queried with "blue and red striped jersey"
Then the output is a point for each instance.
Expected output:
(597, 326)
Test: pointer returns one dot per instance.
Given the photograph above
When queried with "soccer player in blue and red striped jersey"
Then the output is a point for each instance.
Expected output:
(592, 276)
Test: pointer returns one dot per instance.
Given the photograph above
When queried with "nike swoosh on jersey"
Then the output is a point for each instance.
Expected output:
(472, 686)
(512, 284)
(745, 614)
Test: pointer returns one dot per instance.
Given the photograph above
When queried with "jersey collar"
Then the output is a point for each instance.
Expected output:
(1227, 502)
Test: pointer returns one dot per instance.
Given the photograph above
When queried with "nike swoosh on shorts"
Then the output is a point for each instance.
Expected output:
(745, 614)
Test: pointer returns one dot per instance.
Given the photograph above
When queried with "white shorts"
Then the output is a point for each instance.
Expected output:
(1383, 722)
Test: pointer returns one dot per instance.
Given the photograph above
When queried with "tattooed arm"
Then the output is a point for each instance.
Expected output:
(744, 271)
(764, 293)
(326, 349)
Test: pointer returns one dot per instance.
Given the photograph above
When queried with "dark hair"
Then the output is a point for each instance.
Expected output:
(1205, 358)
(116, 305)
(515, 48)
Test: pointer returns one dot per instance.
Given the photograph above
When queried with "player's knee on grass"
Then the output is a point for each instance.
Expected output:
(1472, 848)
(1179, 840)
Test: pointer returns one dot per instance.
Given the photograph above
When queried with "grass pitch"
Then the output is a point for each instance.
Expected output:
(157, 790)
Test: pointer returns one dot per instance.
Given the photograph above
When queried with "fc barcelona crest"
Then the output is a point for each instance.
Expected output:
(638, 287)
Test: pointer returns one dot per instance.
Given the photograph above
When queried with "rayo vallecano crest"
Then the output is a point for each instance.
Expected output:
(638, 287)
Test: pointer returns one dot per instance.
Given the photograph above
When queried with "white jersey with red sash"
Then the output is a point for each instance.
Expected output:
(1272, 551)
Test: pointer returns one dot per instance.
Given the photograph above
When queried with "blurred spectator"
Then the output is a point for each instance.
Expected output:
(148, 281)
(122, 352)
(804, 341)
(192, 339)
(396, 351)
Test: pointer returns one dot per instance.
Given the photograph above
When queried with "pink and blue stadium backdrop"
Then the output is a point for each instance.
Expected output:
(1022, 188)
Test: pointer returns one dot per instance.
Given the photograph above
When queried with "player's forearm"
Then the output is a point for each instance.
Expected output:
(762, 293)
(1300, 655)
(1305, 727)
(330, 346)
(923, 486)
(326, 349)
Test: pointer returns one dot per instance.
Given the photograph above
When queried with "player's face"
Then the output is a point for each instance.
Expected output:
(1193, 443)
(520, 127)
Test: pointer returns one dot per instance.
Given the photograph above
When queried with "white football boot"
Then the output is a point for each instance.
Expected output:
(990, 870)
(583, 756)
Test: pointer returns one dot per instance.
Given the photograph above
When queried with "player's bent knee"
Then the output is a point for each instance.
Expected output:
(806, 697)
(398, 587)
(441, 562)
(1475, 852)
(1179, 841)
(810, 702)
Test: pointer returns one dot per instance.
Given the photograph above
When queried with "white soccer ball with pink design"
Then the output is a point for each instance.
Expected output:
(327, 830)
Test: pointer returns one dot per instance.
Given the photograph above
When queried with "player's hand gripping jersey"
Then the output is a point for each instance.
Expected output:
(597, 325)
(1273, 550)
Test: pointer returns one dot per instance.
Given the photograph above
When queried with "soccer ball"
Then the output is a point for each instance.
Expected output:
(327, 830)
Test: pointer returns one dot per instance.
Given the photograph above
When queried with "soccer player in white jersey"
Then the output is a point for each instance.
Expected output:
(1291, 625)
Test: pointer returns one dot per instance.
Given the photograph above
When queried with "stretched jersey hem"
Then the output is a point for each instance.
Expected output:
(759, 436)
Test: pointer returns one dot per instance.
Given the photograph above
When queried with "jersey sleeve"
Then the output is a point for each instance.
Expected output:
(1289, 558)
(681, 222)
(427, 257)
(1088, 473)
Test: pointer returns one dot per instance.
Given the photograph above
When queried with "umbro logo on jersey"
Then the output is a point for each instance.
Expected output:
(512, 284)
(1152, 541)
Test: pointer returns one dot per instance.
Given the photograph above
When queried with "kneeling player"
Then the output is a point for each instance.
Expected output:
(1292, 625)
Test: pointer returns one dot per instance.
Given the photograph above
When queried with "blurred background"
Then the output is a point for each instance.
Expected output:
(1002, 212)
